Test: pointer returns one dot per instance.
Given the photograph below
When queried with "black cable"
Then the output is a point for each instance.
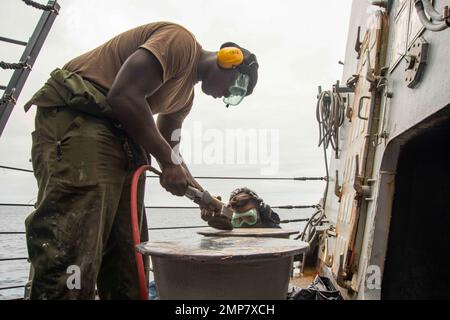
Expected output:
(17, 169)
(214, 177)
(314, 206)
(16, 205)
(294, 220)
(11, 232)
(160, 228)
(257, 178)
(12, 287)
(287, 207)
(13, 41)
(171, 228)
(13, 259)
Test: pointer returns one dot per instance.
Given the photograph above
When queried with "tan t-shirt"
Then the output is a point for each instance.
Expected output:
(174, 47)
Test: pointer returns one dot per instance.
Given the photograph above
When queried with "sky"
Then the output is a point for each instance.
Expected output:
(297, 43)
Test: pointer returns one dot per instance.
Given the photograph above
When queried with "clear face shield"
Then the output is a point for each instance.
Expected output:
(237, 90)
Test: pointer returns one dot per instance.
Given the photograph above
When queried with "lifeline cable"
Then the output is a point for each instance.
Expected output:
(212, 177)
(285, 207)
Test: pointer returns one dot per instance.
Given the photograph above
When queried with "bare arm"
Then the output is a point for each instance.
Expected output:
(167, 125)
(140, 76)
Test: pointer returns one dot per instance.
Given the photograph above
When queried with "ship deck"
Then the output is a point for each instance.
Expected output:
(304, 280)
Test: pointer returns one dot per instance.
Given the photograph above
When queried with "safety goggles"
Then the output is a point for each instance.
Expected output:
(249, 217)
(237, 90)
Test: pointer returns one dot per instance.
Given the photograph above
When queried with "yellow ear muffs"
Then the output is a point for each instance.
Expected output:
(230, 57)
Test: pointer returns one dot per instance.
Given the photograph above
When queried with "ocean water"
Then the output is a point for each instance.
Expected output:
(15, 273)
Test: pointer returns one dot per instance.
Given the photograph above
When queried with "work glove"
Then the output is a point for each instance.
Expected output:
(206, 212)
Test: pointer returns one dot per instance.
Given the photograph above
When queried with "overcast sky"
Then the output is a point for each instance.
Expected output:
(298, 45)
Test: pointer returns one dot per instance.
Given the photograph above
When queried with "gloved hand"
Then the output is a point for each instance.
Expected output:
(206, 212)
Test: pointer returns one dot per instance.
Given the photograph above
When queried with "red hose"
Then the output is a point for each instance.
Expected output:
(143, 287)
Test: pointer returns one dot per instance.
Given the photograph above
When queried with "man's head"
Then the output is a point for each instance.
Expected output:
(250, 211)
(231, 72)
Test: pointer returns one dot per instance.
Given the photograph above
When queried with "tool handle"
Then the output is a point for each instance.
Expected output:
(154, 170)
(192, 193)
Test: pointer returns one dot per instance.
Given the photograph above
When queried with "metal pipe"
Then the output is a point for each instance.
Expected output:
(424, 19)
(360, 105)
(433, 13)
(13, 41)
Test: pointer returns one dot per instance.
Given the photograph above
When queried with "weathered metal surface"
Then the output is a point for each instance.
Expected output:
(415, 26)
(402, 110)
(222, 268)
(249, 232)
(416, 59)
(400, 33)
(356, 158)
(224, 249)
(251, 280)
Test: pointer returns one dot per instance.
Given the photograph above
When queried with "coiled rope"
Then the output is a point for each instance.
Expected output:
(309, 232)
(330, 114)
(14, 66)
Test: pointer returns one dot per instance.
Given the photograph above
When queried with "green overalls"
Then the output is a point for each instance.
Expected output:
(83, 163)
